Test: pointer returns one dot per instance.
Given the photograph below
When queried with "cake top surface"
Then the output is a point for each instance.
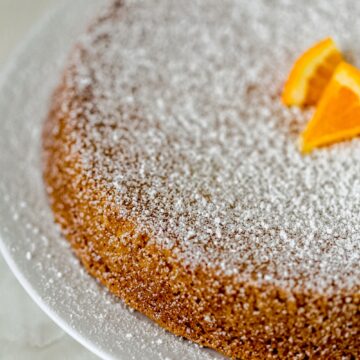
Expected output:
(186, 127)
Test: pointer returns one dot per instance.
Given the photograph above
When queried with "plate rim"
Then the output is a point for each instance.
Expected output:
(45, 308)
(8, 67)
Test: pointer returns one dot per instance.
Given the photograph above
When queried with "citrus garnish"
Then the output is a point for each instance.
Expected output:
(311, 73)
(337, 116)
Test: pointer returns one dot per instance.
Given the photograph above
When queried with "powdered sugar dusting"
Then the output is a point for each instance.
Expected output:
(185, 127)
(27, 229)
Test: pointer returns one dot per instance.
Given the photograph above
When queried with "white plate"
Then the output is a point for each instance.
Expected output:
(30, 242)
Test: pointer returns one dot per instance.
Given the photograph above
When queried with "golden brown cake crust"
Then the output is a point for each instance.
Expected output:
(248, 322)
(241, 319)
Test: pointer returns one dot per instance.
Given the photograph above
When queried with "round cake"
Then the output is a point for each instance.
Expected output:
(174, 171)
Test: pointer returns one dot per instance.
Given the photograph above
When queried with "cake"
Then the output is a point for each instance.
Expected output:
(174, 172)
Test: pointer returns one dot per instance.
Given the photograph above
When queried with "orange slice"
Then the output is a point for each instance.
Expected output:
(337, 116)
(311, 73)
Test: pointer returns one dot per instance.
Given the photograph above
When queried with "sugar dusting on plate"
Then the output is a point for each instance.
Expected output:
(29, 239)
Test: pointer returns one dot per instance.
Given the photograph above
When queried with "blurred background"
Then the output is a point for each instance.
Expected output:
(26, 333)
(16, 18)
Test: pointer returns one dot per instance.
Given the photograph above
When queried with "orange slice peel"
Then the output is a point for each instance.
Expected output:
(311, 73)
(337, 116)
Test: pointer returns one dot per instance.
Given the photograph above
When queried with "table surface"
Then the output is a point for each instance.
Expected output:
(25, 331)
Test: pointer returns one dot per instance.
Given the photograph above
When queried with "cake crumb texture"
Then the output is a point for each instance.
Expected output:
(174, 172)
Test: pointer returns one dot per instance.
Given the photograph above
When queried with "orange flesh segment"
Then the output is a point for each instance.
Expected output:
(311, 73)
(337, 116)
